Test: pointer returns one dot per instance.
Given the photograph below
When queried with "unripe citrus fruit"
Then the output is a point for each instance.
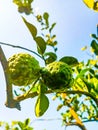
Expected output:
(23, 69)
(57, 75)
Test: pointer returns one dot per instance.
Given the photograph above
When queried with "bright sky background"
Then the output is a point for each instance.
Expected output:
(75, 23)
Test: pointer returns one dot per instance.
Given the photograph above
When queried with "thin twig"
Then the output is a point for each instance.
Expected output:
(27, 93)
(51, 119)
(20, 47)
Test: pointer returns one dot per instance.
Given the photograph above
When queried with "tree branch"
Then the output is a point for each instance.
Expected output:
(9, 101)
(81, 92)
(82, 127)
(30, 95)
(34, 94)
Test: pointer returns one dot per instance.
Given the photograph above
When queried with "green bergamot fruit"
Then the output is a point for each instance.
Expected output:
(23, 69)
(57, 75)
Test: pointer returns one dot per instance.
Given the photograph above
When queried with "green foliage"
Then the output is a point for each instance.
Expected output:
(46, 16)
(94, 45)
(41, 45)
(41, 105)
(44, 20)
(94, 36)
(31, 28)
(79, 98)
(17, 125)
(24, 6)
(52, 26)
(81, 95)
(69, 60)
(50, 57)
(40, 41)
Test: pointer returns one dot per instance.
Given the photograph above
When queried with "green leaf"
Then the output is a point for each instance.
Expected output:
(46, 16)
(59, 107)
(94, 45)
(27, 121)
(31, 28)
(50, 57)
(69, 60)
(94, 81)
(41, 45)
(41, 105)
(42, 88)
(21, 125)
(94, 36)
(52, 26)
(82, 73)
(34, 87)
(88, 84)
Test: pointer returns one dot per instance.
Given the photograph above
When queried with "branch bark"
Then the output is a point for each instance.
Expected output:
(81, 92)
(30, 95)
(34, 94)
(9, 101)
(82, 127)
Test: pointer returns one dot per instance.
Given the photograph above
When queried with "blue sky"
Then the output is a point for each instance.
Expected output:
(75, 23)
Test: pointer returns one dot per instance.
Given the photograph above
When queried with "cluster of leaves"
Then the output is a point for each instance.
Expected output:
(80, 101)
(42, 43)
(24, 6)
(45, 40)
(16, 125)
